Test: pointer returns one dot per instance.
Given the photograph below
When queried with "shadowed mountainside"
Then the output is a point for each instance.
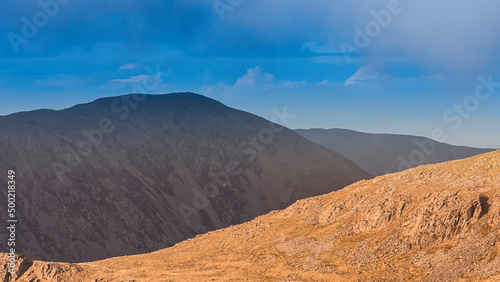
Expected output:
(432, 223)
(137, 173)
(379, 154)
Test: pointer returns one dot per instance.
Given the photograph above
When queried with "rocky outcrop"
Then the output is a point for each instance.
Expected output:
(36, 270)
(21, 263)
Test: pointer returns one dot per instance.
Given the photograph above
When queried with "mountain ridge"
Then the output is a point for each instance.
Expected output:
(162, 167)
(381, 153)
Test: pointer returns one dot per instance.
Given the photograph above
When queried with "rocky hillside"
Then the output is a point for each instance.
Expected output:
(431, 223)
(135, 174)
(385, 153)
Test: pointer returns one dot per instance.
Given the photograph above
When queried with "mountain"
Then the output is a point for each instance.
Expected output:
(432, 223)
(137, 173)
(379, 154)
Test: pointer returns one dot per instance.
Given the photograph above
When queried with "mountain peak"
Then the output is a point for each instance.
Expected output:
(139, 163)
(131, 101)
(149, 101)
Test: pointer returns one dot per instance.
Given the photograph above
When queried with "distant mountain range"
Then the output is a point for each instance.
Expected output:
(137, 173)
(432, 223)
(379, 154)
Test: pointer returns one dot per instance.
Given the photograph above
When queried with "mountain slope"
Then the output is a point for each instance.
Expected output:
(379, 154)
(134, 174)
(433, 223)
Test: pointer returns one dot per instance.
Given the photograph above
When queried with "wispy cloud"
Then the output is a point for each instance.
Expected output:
(136, 80)
(133, 79)
(254, 78)
(318, 47)
(327, 82)
(131, 66)
(364, 73)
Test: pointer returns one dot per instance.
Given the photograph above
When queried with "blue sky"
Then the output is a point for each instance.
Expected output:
(414, 68)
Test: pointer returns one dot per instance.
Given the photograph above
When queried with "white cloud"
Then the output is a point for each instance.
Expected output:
(133, 79)
(255, 78)
(137, 80)
(130, 66)
(362, 74)
(327, 82)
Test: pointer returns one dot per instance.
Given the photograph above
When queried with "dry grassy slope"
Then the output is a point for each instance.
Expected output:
(434, 223)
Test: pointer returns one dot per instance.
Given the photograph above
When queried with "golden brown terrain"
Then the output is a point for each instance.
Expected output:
(431, 223)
